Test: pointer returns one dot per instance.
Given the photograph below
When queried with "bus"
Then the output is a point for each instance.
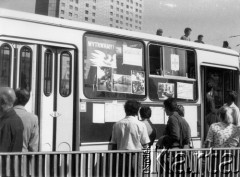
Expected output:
(79, 76)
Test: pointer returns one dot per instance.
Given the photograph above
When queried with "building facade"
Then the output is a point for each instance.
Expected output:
(123, 14)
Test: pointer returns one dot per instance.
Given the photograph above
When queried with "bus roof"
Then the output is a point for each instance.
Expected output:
(41, 19)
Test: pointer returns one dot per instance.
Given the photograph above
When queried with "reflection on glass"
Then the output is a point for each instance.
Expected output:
(48, 66)
(5, 63)
(25, 72)
(65, 74)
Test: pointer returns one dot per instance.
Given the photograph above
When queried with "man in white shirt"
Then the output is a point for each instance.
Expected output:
(129, 134)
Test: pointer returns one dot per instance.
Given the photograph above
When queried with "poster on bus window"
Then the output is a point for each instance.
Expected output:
(100, 53)
(165, 90)
(122, 83)
(132, 56)
(138, 82)
(104, 79)
(185, 91)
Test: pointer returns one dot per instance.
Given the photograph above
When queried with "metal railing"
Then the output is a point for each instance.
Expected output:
(160, 163)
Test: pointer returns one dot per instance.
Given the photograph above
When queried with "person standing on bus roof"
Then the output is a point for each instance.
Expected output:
(231, 98)
(199, 39)
(226, 45)
(159, 32)
(30, 122)
(187, 32)
(11, 126)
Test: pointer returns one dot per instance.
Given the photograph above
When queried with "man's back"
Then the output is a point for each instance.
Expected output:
(30, 133)
(11, 132)
(130, 134)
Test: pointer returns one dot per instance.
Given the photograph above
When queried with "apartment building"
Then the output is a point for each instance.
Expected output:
(123, 14)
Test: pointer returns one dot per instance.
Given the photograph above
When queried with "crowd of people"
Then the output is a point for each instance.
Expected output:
(134, 133)
(18, 127)
(186, 37)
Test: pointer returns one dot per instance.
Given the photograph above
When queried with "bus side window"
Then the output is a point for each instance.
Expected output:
(191, 64)
(155, 60)
(48, 67)
(65, 74)
(5, 63)
(25, 72)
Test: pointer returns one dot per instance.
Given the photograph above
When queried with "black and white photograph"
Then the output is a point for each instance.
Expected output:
(93, 88)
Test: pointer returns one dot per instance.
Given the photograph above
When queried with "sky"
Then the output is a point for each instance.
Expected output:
(216, 20)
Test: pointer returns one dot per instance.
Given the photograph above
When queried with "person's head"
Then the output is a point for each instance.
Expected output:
(131, 107)
(226, 115)
(209, 87)
(159, 32)
(22, 97)
(145, 112)
(232, 96)
(7, 99)
(200, 37)
(180, 110)
(170, 105)
(225, 44)
(187, 31)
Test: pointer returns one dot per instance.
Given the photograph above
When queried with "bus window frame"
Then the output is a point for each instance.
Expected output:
(144, 62)
(20, 66)
(51, 77)
(169, 77)
(60, 76)
(10, 62)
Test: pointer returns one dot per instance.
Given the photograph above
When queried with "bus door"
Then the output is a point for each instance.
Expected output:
(18, 68)
(222, 79)
(56, 108)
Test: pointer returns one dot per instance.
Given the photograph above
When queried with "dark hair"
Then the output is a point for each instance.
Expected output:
(187, 29)
(159, 31)
(131, 107)
(180, 110)
(225, 43)
(209, 87)
(232, 95)
(22, 96)
(170, 104)
(145, 112)
(200, 35)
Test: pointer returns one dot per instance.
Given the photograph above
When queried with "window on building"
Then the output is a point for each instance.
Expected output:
(76, 15)
(126, 18)
(136, 10)
(116, 26)
(87, 5)
(127, 6)
(5, 65)
(126, 24)
(121, 22)
(76, 1)
(111, 13)
(140, 22)
(70, 14)
(121, 16)
(114, 81)
(86, 18)
(140, 5)
(63, 4)
(95, 1)
(65, 74)
(117, 21)
(110, 25)
(130, 25)
(136, 21)
(70, 7)
(130, 19)
(136, 15)
(71, 0)
(122, 4)
(111, 7)
(93, 14)
(131, 1)
(117, 9)
(140, 17)
(62, 11)
(48, 72)
(76, 8)
(111, 0)
(93, 20)
(25, 71)
(94, 7)
(117, 2)
(140, 28)
(127, 12)
(86, 12)
(140, 11)
(111, 19)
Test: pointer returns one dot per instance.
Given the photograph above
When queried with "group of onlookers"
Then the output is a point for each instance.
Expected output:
(18, 127)
(186, 37)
